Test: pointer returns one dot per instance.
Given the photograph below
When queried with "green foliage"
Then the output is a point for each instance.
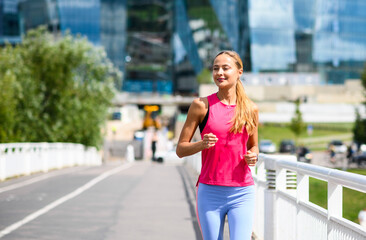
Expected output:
(202, 11)
(297, 125)
(318, 192)
(317, 141)
(204, 77)
(55, 90)
(363, 78)
(359, 130)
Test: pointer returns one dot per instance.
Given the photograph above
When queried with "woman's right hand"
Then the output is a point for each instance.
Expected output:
(209, 140)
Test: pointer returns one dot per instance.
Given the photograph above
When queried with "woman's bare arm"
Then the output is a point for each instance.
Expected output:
(196, 113)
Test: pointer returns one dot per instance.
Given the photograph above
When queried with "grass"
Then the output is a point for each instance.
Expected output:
(321, 136)
(353, 201)
(318, 192)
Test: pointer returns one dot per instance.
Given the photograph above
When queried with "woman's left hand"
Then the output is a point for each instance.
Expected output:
(251, 158)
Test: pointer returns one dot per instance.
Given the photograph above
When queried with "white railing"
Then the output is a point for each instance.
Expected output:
(26, 158)
(283, 209)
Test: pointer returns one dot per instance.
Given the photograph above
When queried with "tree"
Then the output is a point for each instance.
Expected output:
(204, 77)
(59, 90)
(359, 128)
(297, 125)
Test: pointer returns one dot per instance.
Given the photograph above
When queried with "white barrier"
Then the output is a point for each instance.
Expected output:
(130, 155)
(283, 209)
(26, 158)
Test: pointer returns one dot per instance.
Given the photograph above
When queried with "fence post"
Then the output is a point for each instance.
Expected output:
(281, 181)
(44, 153)
(2, 163)
(61, 151)
(130, 156)
(302, 195)
(335, 203)
(334, 199)
(27, 158)
(261, 171)
(270, 200)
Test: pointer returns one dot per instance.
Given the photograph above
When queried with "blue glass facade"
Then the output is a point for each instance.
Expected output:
(113, 22)
(340, 31)
(9, 21)
(184, 33)
(228, 19)
(304, 13)
(272, 35)
(39, 12)
(161, 46)
(340, 39)
(81, 17)
(149, 58)
(236, 26)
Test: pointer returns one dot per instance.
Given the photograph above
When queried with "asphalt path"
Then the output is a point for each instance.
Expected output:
(322, 158)
(143, 200)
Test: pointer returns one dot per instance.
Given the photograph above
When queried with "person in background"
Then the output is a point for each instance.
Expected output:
(228, 122)
(332, 154)
(154, 142)
(350, 154)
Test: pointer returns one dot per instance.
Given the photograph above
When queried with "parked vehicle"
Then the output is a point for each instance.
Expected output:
(287, 146)
(338, 146)
(267, 146)
(360, 157)
(304, 154)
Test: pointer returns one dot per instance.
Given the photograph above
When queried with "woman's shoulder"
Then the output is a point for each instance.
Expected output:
(200, 103)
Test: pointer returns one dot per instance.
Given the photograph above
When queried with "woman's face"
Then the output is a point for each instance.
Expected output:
(225, 73)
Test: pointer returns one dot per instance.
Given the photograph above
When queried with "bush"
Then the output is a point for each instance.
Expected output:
(55, 90)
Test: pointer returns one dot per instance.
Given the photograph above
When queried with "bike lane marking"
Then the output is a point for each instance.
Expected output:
(36, 179)
(63, 199)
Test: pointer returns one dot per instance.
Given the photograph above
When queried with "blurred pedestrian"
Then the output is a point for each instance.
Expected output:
(332, 153)
(154, 142)
(228, 122)
(114, 131)
(350, 153)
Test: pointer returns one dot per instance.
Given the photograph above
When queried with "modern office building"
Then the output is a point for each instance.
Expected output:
(9, 21)
(163, 45)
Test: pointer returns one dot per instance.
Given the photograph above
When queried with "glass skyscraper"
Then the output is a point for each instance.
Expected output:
(113, 23)
(148, 52)
(9, 21)
(161, 46)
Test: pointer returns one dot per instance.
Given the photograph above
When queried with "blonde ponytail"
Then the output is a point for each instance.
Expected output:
(245, 113)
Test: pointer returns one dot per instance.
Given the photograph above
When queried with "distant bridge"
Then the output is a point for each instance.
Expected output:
(124, 98)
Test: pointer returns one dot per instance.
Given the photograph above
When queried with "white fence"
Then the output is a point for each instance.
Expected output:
(26, 158)
(283, 209)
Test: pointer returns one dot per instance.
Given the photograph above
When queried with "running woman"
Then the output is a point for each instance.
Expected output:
(228, 121)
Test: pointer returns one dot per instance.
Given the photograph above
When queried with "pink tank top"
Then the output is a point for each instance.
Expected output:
(224, 164)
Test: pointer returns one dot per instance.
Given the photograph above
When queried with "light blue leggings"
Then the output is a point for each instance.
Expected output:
(215, 202)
